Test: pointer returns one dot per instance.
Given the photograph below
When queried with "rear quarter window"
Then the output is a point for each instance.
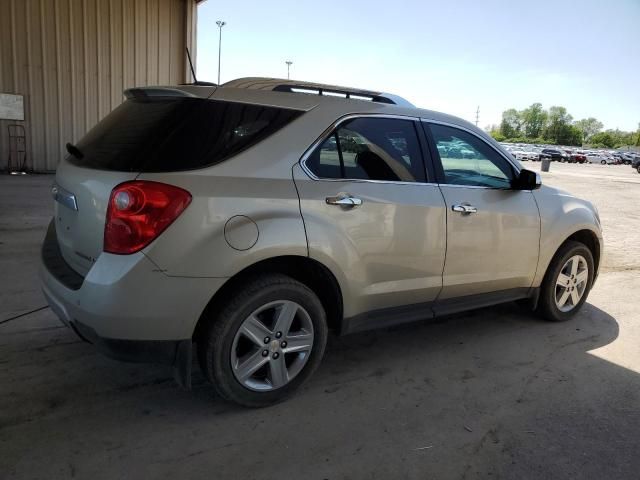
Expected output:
(163, 134)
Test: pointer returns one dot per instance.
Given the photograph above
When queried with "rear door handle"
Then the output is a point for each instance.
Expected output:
(464, 209)
(344, 200)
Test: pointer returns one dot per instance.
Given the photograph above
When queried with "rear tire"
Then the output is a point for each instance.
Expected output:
(234, 343)
(565, 287)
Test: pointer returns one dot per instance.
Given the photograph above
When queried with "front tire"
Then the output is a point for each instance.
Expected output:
(567, 282)
(265, 342)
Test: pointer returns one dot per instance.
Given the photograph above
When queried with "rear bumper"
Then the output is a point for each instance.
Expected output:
(175, 353)
(125, 303)
(164, 352)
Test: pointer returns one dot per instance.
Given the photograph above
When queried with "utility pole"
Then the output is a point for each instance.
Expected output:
(220, 24)
(288, 62)
(477, 115)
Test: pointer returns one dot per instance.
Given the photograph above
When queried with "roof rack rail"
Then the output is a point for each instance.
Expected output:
(310, 88)
(333, 92)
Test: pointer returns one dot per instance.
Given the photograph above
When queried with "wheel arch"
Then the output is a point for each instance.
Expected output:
(587, 237)
(306, 270)
(591, 240)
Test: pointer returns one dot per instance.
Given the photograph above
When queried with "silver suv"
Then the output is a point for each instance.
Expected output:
(248, 220)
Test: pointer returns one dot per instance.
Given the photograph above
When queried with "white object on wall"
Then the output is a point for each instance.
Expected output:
(11, 106)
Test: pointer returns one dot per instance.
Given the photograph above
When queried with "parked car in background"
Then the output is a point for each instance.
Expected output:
(621, 158)
(523, 154)
(516, 153)
(635, 163)
(628, 157)
(568, 153)
(555, 154)
(540, 154)
(249, 219)
(599, 157)
(530, 153)
(578, 157)
(574, 156)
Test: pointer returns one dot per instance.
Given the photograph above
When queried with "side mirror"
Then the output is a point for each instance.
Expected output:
(527, 180)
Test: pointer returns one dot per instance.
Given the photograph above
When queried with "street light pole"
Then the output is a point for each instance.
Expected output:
(220, 24)
(288, 62)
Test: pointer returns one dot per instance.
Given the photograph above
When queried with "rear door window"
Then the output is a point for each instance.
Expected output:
(383, 149)
(163, 134)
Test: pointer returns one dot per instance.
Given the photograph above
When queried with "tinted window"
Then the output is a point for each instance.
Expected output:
(169, 134)
(324, 162)
(467, 160)
(370, 149)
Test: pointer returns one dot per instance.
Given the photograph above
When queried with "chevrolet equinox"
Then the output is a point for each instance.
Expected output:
(245, 221)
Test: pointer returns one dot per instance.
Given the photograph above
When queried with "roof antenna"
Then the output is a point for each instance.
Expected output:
(193, 73)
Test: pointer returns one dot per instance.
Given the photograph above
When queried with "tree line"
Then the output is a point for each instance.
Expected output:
(556, 126)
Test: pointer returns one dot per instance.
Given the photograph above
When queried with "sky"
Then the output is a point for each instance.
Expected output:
(450, 56)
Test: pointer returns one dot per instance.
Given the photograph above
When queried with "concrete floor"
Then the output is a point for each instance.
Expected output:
(495, 393)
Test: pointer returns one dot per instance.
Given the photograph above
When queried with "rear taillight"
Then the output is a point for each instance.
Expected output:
(138, 212)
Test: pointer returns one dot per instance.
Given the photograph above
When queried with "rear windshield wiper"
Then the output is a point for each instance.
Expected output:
(75, 151)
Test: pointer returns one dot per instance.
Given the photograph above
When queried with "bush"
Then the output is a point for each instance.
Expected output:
(497, 136)
(526, 140)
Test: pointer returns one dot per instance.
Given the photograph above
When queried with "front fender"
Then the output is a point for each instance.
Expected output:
(562, 215)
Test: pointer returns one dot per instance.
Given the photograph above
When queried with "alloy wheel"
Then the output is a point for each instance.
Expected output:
(571, 283)
(272, 346)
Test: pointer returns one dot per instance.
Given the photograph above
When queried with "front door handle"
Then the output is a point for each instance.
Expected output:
(344, 200)
(464, 209)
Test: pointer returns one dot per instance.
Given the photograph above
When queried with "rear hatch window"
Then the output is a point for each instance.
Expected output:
(164, 134)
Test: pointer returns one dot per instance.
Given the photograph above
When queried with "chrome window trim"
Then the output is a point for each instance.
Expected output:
(452, 185)
(455, 185)
(327, 132)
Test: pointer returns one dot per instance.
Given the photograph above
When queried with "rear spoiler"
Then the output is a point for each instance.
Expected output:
(146, 92)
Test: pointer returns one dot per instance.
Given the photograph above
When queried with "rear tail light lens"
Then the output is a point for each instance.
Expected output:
(138, 212)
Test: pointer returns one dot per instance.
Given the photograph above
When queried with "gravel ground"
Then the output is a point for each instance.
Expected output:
(495, 393)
